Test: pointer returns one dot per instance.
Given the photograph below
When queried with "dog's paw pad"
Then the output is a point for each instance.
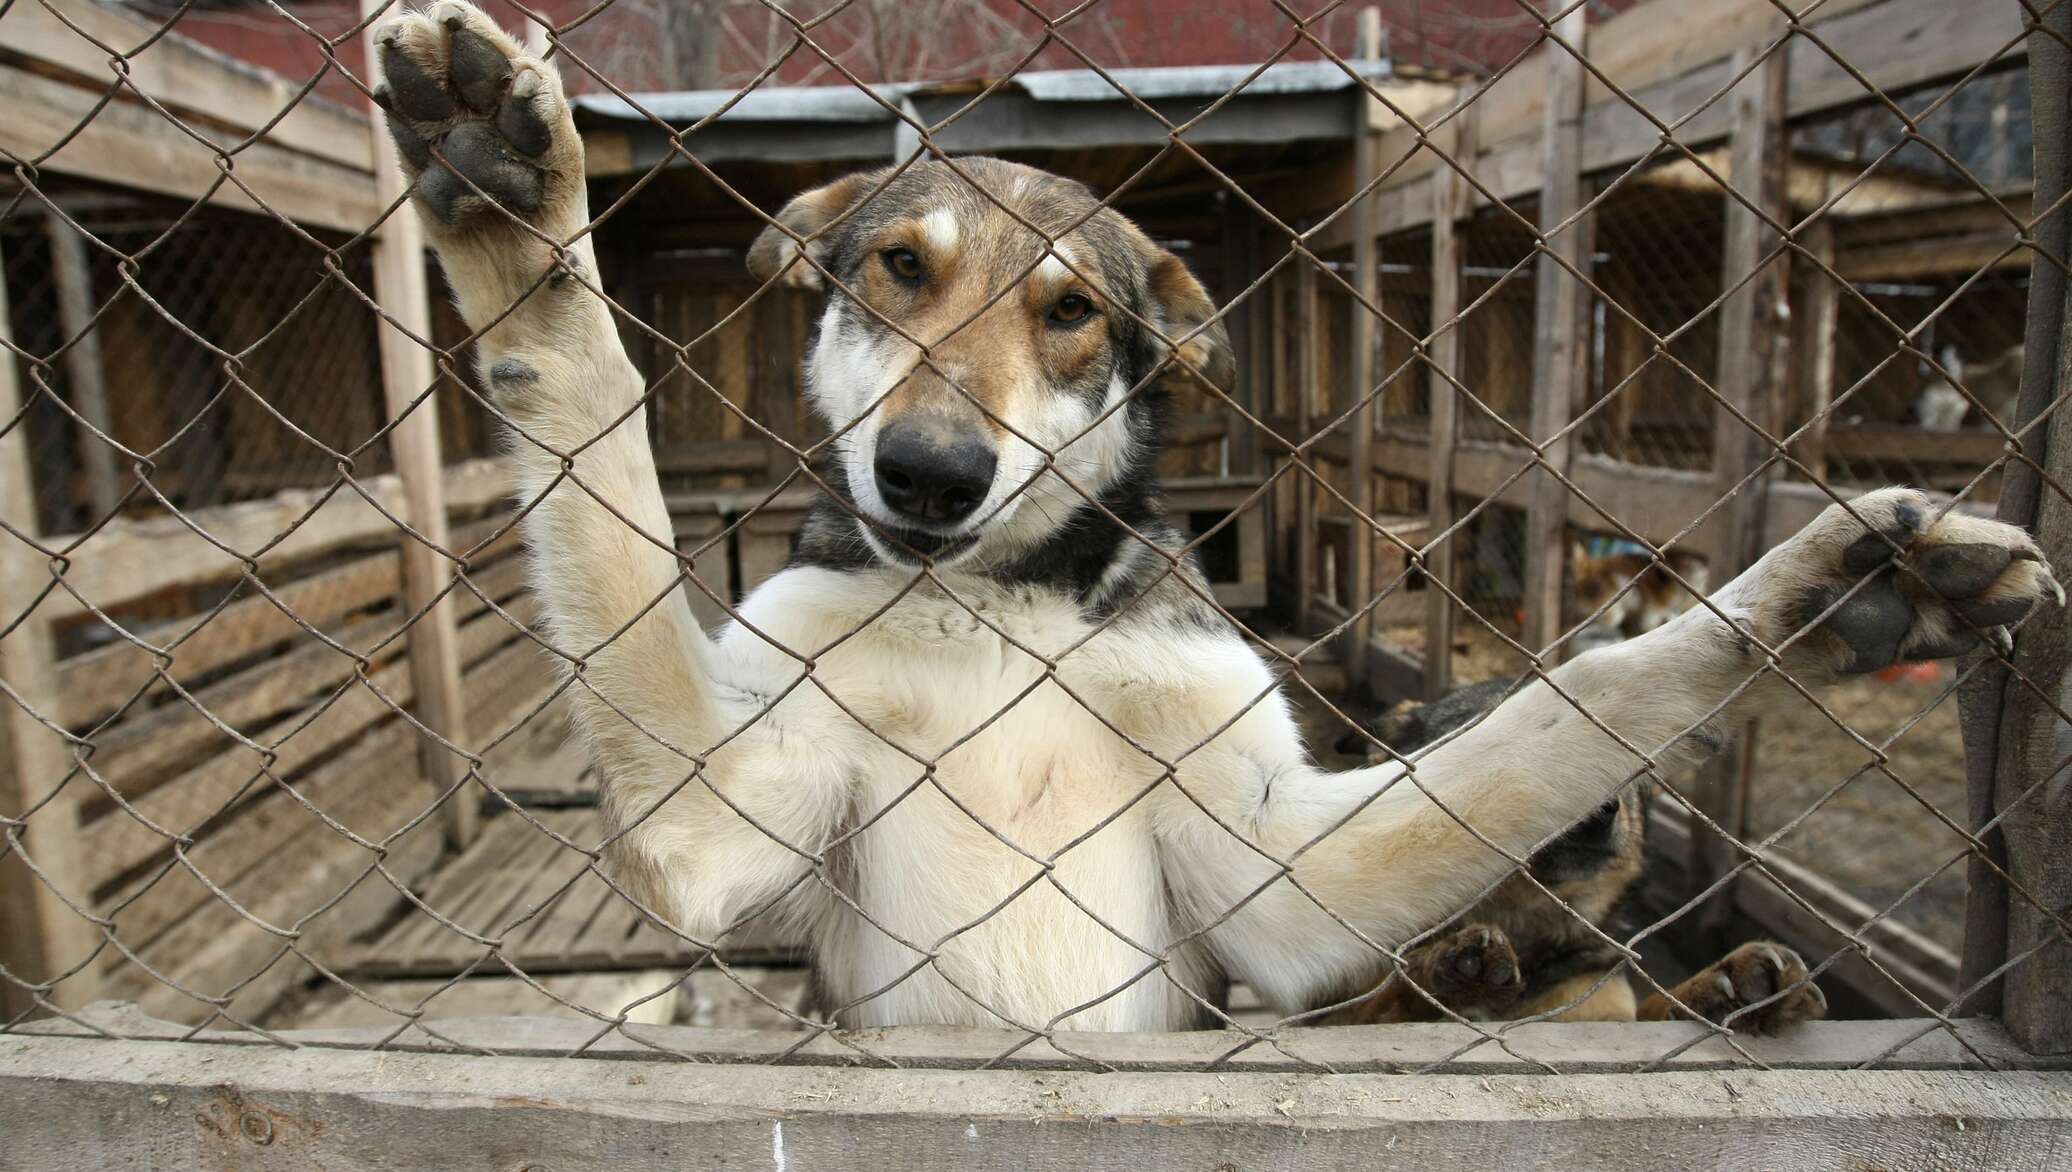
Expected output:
(1476, 966)
(1889, 580)
(1760, 986)
(482, 127)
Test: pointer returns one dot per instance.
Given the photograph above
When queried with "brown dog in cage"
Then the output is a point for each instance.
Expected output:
(987, 740)
(1545, 941)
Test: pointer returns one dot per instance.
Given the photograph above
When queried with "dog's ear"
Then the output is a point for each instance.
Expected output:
(807, 217)
(1179, 307)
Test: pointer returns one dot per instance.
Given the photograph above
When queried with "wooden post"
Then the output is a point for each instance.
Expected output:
(2029, 790)
(1557, 298)
(1273, 397)
(1816, 367)
(1238, 264)
(406, 372)
(1359, 476)
(1449, 205)
(86, 383)
(40, 937)
(2009, 730)
(1305, 476)
(1242, 444)
(1754, 345)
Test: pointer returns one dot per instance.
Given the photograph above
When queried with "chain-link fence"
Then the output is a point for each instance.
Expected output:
(1453, 367)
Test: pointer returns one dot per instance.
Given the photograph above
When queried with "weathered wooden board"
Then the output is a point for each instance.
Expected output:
(547, 907)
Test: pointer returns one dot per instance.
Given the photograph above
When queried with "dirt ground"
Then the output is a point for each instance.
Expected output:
(1874, 832)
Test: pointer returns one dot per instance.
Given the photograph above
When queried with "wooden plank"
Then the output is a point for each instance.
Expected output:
(133, 146)
(647, 997)
(184, 77)
(2027, 791)
(85, 376)
(455, 888)
(1753, 352)
(1304, 474)
(1983, 698)
(1670, 57)
(1794, 904)
(44, 938)
(407, 375)
(187, 802)
(1656, 503)
(1917, 446)
(1557, 309)
(1366, 291)
(132, 558)
(1665, 1049)
(131, 751)
(220, 949)
(97, 682)
(1816, 357)
(185, 1104)
(1450, 201)
(353, 788)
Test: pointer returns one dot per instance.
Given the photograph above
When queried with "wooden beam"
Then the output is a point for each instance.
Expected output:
(1988, 920)
(2027, 792)
(1366, 292)
(71, 273)
(44, 938)
(190, 1104)
(1657, 503)
(1671, 57)
(1558, 297)
(1449, 206)
(132, 558)
(1816, 358)
(408, 382)
(183, 76)
(133, 146)
(1304, 476)
(1754, 345)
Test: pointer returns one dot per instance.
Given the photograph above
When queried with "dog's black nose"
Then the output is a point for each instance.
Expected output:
(929, 472)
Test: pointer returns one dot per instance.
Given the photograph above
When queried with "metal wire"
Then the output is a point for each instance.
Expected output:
(231, 744)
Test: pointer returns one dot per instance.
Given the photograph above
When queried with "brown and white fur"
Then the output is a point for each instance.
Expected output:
(1623, 594)
(1015, 768)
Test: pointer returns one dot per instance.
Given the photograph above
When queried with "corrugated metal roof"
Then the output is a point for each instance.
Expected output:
(844, 103)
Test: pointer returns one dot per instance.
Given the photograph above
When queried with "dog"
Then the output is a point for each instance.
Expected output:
(1622, 590)
(1542, 946)
(1612, 596)
(987, 741)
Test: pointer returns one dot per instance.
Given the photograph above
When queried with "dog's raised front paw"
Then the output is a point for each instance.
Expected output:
(457, 88)
(1898, 585)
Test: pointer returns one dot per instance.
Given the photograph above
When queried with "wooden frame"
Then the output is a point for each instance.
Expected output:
(223, 1097)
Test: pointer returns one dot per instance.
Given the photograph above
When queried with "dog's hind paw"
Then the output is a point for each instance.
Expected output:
(482, 127)
(1886, 580)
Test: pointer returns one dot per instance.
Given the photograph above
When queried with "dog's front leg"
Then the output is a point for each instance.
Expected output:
(1288, 867)
(497, 177)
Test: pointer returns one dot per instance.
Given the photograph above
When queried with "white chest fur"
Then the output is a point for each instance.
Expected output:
(998, 849)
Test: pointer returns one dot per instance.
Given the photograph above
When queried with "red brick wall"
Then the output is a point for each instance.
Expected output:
(879, 40)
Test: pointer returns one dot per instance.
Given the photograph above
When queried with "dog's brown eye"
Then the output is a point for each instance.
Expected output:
(1070, 308)
(905, 264)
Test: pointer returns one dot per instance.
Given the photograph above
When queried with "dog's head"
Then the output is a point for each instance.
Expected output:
(985, 341)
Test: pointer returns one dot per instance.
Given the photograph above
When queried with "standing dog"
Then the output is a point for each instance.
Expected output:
(986, 738)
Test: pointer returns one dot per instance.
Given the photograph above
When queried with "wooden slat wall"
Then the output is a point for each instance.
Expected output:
(231, 776)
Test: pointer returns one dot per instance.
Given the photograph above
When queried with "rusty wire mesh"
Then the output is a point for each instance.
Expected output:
(240, 777)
